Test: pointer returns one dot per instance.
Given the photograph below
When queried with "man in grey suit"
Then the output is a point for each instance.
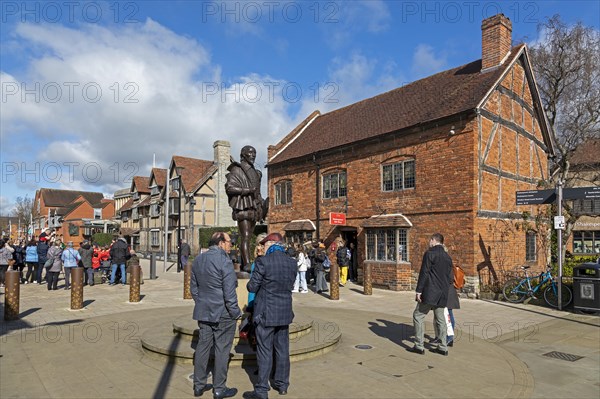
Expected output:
(213, 288)
(272, 280)
(433, 284)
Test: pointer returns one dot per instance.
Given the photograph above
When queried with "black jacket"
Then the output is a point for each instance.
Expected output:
(119, 252)
(435, 277)
(42, 250)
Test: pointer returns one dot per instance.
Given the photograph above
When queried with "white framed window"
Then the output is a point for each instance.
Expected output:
(398, 176)
(97, 213)
(155, 238)
(334, 185)
(387, 245)
(283, 193)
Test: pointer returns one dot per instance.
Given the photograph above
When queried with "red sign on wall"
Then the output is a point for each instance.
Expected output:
(337, 218)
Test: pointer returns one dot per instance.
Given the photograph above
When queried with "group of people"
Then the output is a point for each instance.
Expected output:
(213, 287)
(50, 254)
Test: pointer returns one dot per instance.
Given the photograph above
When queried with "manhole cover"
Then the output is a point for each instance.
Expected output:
(563, 356)
(363, 347)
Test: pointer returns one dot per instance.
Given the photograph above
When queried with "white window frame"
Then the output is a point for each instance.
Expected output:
(386, 244)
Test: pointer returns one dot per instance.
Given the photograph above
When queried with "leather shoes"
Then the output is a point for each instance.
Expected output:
(199, 392)
(225, 393)
(450, 344)
(439, 351)
(251, 395)
(414, 349)
(281, 391)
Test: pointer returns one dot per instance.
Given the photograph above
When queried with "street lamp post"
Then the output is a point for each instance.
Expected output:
(179, 169)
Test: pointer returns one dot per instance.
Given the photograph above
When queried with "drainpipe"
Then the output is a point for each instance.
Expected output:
(318, 204)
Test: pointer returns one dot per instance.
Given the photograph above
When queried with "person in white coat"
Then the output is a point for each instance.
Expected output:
(303, 265)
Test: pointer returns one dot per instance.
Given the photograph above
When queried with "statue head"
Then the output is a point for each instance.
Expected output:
(248, 154)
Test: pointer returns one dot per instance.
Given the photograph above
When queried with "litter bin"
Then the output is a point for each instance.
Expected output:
(586, 287)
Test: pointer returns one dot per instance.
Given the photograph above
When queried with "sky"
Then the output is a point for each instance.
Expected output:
(93, 91)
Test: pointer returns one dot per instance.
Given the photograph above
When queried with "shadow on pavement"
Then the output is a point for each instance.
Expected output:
(395, 332)
(163, 384)
(541, 313)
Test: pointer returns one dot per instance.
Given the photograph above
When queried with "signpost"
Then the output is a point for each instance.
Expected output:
(540, 197)
(536, 197)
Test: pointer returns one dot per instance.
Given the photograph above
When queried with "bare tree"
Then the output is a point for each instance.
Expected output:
(566, 62)
(23, 211)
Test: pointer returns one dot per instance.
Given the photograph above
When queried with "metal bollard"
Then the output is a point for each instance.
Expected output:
(367, 280)
(134, 283)
(187, 281)
(152, 266)
(12, 295)
(334, 281)
(77, 288)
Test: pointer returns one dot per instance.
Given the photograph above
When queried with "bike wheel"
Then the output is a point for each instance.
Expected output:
(551, 295)
(514, 290)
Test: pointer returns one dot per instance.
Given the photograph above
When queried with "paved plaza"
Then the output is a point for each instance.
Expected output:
(53, 352)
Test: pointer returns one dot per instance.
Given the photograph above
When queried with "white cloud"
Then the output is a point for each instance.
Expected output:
(351, 80)
(178, 101)
(6, 206)
(425, 62)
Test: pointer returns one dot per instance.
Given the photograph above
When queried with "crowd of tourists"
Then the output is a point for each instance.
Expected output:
(41, 261)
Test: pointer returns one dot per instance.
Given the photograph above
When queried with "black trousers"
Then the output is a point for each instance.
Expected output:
(52, 279)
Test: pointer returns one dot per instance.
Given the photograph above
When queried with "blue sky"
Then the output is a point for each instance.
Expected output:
(91, 90)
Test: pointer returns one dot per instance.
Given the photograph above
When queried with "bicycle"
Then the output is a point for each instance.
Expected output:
(517, 289)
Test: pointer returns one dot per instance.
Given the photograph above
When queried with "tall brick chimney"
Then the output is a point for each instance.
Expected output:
(496, 38)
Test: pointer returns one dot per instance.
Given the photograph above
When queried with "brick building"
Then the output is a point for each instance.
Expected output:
(443, 154)
(74, 215)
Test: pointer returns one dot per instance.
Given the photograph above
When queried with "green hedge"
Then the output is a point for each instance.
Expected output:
(571, 262)
(204, 234)
(102, 239)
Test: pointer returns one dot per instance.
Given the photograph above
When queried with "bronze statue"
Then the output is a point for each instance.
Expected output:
(248, 206)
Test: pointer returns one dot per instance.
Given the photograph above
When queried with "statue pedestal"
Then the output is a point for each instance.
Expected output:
(241, 290)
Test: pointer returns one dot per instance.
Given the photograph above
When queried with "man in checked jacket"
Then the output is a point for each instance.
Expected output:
(272, 280)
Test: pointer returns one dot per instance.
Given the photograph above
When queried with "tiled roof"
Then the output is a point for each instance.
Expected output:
(126, 206)
(145, 201)
(441, 95)
(395, 220)
(56, 198)
(300, 225)
(194, 170)
(65, 210)
(160, 176)
(586, 153)
(141, 184)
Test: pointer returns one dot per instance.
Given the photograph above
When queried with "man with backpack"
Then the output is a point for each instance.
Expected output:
(435, 280)
(119, 253)
(343, 261)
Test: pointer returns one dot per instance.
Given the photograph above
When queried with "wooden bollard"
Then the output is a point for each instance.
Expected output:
(134, 283)
(77, 288)
(334, 281)
(187, 281)
(12, 295)
(367, 280)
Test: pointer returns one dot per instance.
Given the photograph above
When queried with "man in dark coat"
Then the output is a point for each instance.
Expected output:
(213, 284)
(119, 253)
(272, 280)
(434, 282)
(247, 205)
(186, 251)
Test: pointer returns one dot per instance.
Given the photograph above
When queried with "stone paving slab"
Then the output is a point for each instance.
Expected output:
(57, 353)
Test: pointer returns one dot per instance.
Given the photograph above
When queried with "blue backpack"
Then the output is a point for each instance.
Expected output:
(326, 263)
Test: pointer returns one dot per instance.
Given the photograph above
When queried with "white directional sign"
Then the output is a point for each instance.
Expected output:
(559, 222)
